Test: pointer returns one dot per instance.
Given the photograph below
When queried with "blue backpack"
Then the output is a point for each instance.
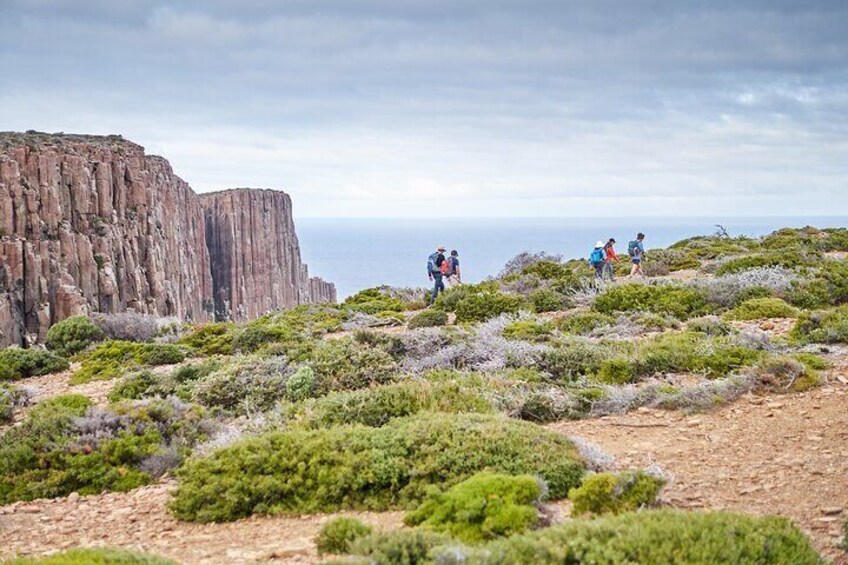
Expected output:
(633, 248)
(597, 256)
(432, 267)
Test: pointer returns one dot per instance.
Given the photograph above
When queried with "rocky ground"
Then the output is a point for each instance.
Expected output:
(776, 454)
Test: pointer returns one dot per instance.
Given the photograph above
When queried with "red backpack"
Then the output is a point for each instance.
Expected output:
(445, 267)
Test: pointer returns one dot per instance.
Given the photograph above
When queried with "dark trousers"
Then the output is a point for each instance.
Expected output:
(599, 270)
(438, 286)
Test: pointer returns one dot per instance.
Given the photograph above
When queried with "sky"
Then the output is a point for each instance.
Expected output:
(451, 108)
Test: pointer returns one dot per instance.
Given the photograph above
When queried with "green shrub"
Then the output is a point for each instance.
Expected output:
(547, 300)
(253, 336)
(528, 329)
(609, 493)
(692, 352)
(24, 363)
(300, 385)
(709, 325)
(111, 358)
(570, 362)
(211, 339)
(428, 319)
(547, 270)
(406, 547)
(616, 372)
(195, 371)
(584, 323)
(678, 301)
(10, 398)
(830, 326)
(376, 406)
(484, 305)
(245, 385)
(357, 467)
(656, 536)
(132, 387)
(483, 507)
(93, 557)
(336, 535)
(373, 301)
(72, 335)
(789, 258)
(782, 374)
(342, 364)
(65, 446)
(761, 308)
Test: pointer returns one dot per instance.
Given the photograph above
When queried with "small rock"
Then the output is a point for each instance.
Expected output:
(831, 510)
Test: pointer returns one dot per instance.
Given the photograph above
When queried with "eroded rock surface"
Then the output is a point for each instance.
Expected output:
(92, 224)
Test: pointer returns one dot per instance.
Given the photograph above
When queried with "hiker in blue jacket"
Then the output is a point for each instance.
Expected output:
(598, 259)
(636, 250)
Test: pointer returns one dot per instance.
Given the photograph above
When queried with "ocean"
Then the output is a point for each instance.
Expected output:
(361, 253)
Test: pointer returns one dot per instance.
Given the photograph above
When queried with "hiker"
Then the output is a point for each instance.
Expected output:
(609, 268)
(453, 276)
(434, 270)
(598, 259)
(636, 250)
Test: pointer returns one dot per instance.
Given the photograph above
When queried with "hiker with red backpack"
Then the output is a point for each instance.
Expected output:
(435, 263)
(453, 276)
(611, 256)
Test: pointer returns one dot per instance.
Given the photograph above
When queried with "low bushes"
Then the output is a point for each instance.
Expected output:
(93, 557)
(65, 446)
(528, 329)
(659, 536)
(343, 364)
(109, 359)
(358, 467)
(779, 374)
(788, 258)
(547, 300)
(10, 398)
(571, 361)
(480, 508)
(829, 326)
(373, 301)
(336, 535)
(72, 335)
(481, 306)
(584, 323)
(610, 493)
(678, 301)
(245, 385)
(16, 363)
(762, 308)
(428, 319)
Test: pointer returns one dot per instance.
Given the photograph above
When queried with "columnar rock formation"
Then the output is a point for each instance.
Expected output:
(93, 224)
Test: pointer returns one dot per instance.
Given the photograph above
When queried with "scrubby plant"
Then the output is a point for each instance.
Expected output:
(111, 358)
(709, 325)
(336, 535)
(376, 406)
(788, 258)
(780, 374)
(428, 319)
(679, 301)
(654, 536)
(300, 385)
(762, 308)
(211, 339)
(616, 372)
(482, 306)
(547, 300)
(10, 398)
(409, 547)
(693, 352)
(131, 326)
(373, 301)
(245, 385)
(93, 556)
(528, 329)
(358, 467)
(72, 335)
(571, 361)
(829, 326)
(584, 323)
(483, 507)
(23, 363)
(342, 364)
(132, 387)
(67, 446)
(610, 493)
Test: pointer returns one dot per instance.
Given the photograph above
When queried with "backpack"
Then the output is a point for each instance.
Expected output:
(597, 256)
(633, 248)
(445, 267)
(432, 267)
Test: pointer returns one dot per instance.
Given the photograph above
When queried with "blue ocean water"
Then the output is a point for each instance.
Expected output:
(361, 253)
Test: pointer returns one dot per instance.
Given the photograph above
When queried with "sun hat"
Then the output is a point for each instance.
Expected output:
(440, 248)
(599, 244)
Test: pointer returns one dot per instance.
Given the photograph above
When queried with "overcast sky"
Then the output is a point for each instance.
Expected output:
(463, 108)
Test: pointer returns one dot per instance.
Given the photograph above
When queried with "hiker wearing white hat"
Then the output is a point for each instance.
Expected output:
(434, 271)
(598, 259)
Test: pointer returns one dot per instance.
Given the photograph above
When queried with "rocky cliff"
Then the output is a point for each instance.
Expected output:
(93, 224)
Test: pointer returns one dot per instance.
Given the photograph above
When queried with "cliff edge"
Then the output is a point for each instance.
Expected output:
(92, 224)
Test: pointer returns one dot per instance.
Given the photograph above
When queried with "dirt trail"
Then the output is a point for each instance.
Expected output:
(139, 520)
(785, 455)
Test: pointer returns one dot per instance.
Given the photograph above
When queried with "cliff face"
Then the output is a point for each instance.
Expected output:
(93, 224)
